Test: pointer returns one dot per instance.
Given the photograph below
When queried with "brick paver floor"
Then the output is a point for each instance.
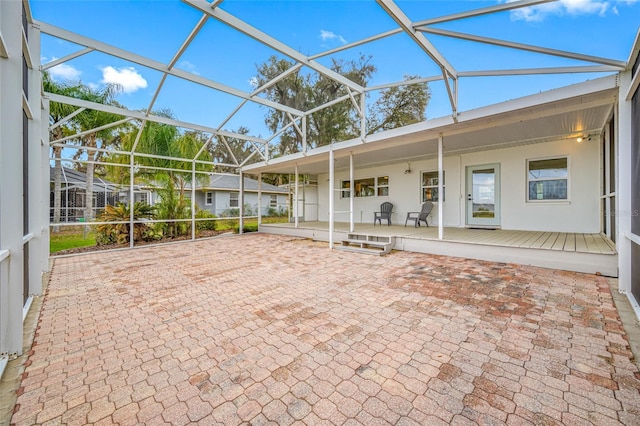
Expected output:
(272, 329)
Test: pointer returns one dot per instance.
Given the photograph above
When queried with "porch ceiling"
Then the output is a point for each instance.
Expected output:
(579, 110)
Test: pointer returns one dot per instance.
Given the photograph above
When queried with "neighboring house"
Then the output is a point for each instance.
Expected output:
(221, 196)
(73, 194)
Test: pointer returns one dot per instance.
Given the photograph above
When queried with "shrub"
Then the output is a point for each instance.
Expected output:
(205, 225)
(119, 232)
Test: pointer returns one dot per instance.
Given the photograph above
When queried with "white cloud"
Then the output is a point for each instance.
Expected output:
(562, 7)
(328, 35)
(63, 71)
(188, 66)
(128, 78)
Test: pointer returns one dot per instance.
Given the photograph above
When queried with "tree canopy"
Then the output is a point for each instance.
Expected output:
(394, 107)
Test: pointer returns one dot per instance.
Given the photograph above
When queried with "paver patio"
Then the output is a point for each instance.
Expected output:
(263, 328)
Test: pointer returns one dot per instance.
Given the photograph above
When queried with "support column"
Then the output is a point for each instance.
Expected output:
(44, 201)
(38, 170)
(623, 191)
(11, 205)
(440, 191)
(132, 200)
(241, 205)
(259, 199)
(331, 195)
(351, 193)
(363, 117)
(193, 199)
(295, 196)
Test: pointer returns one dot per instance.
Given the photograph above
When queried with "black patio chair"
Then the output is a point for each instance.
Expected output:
(385, 213)
(420, 216)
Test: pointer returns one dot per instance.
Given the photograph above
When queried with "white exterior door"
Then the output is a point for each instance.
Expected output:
(483, 195)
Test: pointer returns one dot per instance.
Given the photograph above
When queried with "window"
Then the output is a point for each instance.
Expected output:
(368, 187)
(273, 201)
(208, 198)
(548, 179)
(233, 199)
(429, 186)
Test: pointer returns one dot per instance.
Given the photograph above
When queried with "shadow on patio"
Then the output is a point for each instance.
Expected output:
(264, 327)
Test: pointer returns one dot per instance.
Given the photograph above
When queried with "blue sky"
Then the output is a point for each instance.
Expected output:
(156, 29)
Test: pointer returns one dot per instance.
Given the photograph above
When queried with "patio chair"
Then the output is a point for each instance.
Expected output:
(384, 213)
(420, 216)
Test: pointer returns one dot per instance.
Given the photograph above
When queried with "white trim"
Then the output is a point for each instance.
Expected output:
(554, 200)
(155, 65)
(621, 65)
(4, 360)
(267, 40)
(26, 107)
(144, 117)
(632, 237)
(3, 52)
(26, 307)
(208, 202)
(26, 51)
(483, 11)
(635, 82)
(4, 254)
(422, 187)
(27, 238)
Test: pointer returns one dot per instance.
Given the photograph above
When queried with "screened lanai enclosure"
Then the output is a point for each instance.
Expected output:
(419, 101)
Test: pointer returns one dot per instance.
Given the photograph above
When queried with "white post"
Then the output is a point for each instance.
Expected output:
(624, 190)
(44, 202)
(295, 196)
(38, 170)
(193, 199)
(259, 199)
(241, 204)
(11, 226)
(351, 193)
(304, 133)
(363, 117)
(440, 191)
(331, 195)
(131, 199)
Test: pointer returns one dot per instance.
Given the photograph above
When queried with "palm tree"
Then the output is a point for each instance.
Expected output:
(57, 112)
(89, 120)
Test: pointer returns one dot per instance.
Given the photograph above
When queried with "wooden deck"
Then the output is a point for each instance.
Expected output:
(591, 253)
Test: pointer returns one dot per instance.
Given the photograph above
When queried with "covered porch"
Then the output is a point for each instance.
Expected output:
(579, 252)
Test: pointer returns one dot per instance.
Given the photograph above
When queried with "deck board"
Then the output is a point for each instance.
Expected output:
(592, 246)
(581, 244)
(550, 241)
(559, 244)
(570, 243)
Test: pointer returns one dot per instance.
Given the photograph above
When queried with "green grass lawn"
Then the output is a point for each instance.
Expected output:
(65, 240)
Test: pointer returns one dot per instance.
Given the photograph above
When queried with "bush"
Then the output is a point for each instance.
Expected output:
(205, 225)
(118, 233)
(248, 227)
